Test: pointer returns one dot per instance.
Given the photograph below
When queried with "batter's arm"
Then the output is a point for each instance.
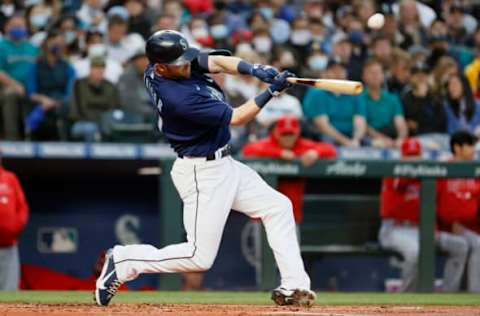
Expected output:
(235, 66)
(245, 112)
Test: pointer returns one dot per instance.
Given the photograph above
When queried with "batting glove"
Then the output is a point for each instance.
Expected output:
(280, 83)
(264, 72)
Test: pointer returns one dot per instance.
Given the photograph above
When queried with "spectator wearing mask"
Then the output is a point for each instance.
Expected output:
(17, 56)
(339, 118)
(424, 112)
(92, 97)
(386, 123)
(457, 206)
(133, 95)
(139, 20)
(121, 46)
(49, 87)
(92, 16)
(96, 48)
(285, 143)
(8, 9)
(410, 24)
(463, 112)
(400, 209)
(14, 213)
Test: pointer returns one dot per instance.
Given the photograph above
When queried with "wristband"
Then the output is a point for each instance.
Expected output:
(244, 68)
(263, 98)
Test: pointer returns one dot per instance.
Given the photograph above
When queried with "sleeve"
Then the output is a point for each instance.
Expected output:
(397, 106)
(74, 102)
(324, 150)
(31, 83)
(261, 149)
(22, 207)
(204, 110)
(68, 87)
(3, 58)
(360, 106)
(201, 62)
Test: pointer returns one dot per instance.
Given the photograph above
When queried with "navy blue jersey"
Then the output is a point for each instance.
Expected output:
(195, 116)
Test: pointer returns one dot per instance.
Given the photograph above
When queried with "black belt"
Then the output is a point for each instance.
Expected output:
(227, 151)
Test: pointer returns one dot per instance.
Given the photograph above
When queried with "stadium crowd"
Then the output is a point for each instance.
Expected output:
(72, 70)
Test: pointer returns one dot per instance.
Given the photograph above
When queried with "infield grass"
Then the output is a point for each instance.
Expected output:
(250, 298)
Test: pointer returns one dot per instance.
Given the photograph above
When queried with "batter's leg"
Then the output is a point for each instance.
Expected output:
(457, 249)
(257, 199)
(207, 190)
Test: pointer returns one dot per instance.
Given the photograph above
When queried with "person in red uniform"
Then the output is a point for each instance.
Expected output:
(457, 205)
(399, 209)
(285, 143)
(14, 216)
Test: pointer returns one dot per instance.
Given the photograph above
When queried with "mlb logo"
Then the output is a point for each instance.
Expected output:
(57, 240)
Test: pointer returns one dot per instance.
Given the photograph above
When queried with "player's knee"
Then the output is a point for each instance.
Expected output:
(203, 263)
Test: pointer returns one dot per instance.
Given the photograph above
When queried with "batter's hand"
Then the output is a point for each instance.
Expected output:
(264, 72)
(280, 83)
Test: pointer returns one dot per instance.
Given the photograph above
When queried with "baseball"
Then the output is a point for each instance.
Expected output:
(376, 21)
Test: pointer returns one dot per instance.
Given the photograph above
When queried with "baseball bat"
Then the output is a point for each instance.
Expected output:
(332, 85)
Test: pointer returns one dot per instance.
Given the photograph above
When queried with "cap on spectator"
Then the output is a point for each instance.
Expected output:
(97, 61)
(411, 147)
(287, 124)
(419, 67)
(120, 11)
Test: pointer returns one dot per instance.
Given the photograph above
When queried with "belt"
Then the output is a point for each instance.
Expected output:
(219, 154)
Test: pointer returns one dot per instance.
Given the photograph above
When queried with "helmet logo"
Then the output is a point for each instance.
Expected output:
(183, 43)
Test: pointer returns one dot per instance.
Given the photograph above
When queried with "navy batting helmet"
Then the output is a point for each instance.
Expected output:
(169, 47)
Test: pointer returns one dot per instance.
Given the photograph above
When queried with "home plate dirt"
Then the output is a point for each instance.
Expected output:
(229, 310)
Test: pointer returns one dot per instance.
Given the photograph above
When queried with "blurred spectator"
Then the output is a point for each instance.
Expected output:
(133, 95)
(386, 124)
(121, 46)
(381, 49)
(198, 6)
(472, 72)
(69, 27)
(92, 16)
(440, 47)
(463, 112)
(8, 8)
(285, 143)
(139, 21)
(340, 118)
(342, 49)
(364, 9)
(92, 97)
(284, 104)
(49, 87)
(457, 31)
(17, 56)
(40, 17)
(164, 22)
(262, 42)
(198, 32)
(399, 74)
(219, 32)
(96, 48)
(400, 209)
(300, 37)
(411, 25)
(424, 112)
(457, 206)
(14, 213)
(444, 69)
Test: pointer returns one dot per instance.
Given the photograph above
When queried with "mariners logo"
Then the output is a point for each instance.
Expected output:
(214, 93)
(183, 43)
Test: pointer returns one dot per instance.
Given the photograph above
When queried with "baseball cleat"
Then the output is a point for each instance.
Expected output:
(107, 283)
(297, 297)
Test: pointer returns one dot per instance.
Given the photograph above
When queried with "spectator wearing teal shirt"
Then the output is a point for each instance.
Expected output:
(17, 56)
(386, 125)
(340, 118)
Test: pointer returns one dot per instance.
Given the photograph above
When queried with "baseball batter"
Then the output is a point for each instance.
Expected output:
(196, 121)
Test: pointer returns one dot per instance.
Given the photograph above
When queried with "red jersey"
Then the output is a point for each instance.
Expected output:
(13, 208)
(293, 188)
(400, 199)
(458, 201)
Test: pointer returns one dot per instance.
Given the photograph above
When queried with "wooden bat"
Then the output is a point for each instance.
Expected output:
(332, 85)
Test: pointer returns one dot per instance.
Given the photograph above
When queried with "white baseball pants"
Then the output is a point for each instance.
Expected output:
(405, 239)
(209, 190)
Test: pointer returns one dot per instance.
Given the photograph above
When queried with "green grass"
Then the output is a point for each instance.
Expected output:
(254, 298)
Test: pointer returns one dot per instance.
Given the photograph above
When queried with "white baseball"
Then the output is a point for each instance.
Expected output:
(376, 21)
